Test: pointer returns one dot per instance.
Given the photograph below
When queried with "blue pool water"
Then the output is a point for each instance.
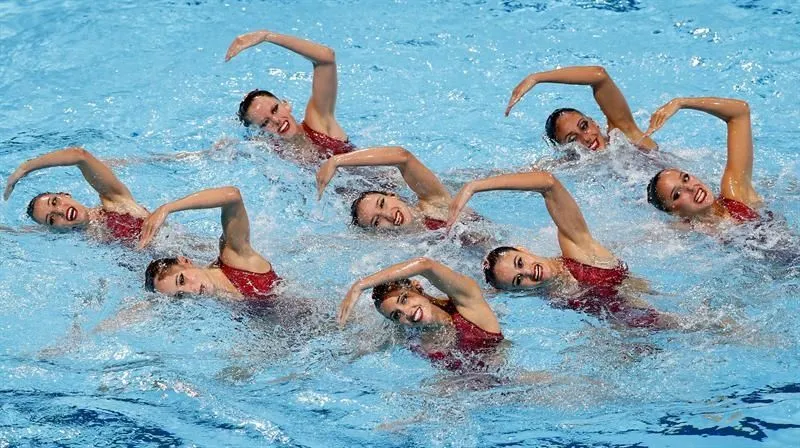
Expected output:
(133, 80)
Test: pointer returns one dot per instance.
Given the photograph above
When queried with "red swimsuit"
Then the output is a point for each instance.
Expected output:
(434, 224)
(602, 295)
(739, 211)
(123, 226)
(471, 341)
(327, 145)
(252, 285)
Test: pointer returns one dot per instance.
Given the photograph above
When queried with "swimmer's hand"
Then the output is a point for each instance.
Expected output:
(522, 88)
(661, 116)
(12, 180)
(346, 307)
(245, 41)
(151, 225)
(324, 175)
(458, 203)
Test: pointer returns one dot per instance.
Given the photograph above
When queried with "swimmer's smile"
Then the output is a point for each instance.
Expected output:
(283, 127)
(398, 218)
(417, 316)
(700, 196)
(595, 144)
(537, 272)
(71, 214)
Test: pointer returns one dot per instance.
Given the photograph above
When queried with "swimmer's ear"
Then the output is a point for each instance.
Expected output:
(183, 261)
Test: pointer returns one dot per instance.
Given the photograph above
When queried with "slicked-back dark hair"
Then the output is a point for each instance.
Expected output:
(156, 270)
(491, 260)
(247, 101)
(382, 291)
(550, 124)
(357, 201)
(32, 203)
(652, 193)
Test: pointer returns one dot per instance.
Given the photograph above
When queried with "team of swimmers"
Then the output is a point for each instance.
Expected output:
(585, 276)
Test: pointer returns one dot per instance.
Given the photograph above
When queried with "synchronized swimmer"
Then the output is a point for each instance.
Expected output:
(119, 217)
(586, 276)
(319, 135)
(679, 193)
(567, 125)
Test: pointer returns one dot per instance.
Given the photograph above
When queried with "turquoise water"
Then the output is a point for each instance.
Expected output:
(131, 81)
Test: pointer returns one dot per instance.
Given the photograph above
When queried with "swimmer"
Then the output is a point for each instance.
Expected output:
(567, 125)
(386, 210)
(679, 193)
(586, 276)
(118, 218)
(319, 135)
(457, 328)
(239, 273)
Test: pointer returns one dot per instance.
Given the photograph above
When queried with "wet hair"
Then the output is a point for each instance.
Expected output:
(247, 101)
(550, 124)
(491, 260)
(357, 201)
(382, 291)
(157, 270)
(652, 193)
(32, 204)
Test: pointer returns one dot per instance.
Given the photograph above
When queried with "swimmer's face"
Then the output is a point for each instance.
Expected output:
(59, 211)
(273, 116)
(575, 127)
(408, 308)
(384, 211)
(519, 269)
(683, 194)
(184, 278)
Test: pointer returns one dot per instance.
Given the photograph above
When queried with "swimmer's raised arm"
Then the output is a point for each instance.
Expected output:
(737, 180)
(461, 289)
(573, 232)
(235, 223)
(99, 176)
(606, 93)
(419, 178)
(324, 84)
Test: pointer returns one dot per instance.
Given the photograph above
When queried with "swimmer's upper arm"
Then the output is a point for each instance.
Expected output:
(737, 179)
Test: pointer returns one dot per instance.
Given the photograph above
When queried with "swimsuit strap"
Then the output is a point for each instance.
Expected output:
(253, 285)
(328, 145)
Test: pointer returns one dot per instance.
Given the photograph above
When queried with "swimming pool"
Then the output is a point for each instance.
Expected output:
(130, 80)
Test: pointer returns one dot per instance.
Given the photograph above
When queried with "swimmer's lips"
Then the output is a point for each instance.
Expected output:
(284, 127)
(537, 272)
(398, 218)
(417, 315)
(71, 214)
(700, 196)
(595, 144)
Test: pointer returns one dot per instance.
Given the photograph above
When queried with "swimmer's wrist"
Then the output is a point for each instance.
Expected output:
(268, 36)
